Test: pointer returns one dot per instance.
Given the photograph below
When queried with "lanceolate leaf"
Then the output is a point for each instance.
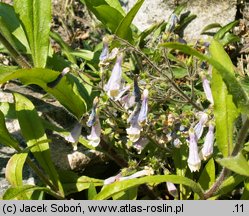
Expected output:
(225, 113)
(124, 30)
(17, 192)
(10, 24)
(237, 164)
(14, 168)
(72, 183)
(36, 17)
(70, 91)
(5, 137)
(207, 177)
(33, 132)
(112, 189)
(234, 88)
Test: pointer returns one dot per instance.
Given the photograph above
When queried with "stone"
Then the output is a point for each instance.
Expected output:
(207, 11)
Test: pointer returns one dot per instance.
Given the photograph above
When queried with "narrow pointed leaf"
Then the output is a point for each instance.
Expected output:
(17, 192)
(70, 91)
(33, 132)
(72, 183)
(5, 137)
(220, 34)
(112, 189)
(36, 17)
(207, 177)
(10, 24)
(237, 164)
(124, 30)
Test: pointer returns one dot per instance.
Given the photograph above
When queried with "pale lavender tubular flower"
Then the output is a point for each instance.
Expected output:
(200, 125)
(207, 89)
(94, 137)
(142, 117)
(134, 130)
(74, 135)
(114, 85)
(194, 161)
(172, 189)
(127, 101)
(140, 144)
(208, 145)
(105, 52)
(145, 172)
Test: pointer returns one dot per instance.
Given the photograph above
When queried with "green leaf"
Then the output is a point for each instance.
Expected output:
(14, 168)
(234, 88)
(225, 111)
(124, 30)
(92, 192)
(210, 26)
(245, 195)
(237, 164)
(17, 192)
(113, 3)
(11, 28)
(72, 183)
(225, 114)
(220, 34)
(5, 137)
(84, 54)
(65, 48)
(130, 194)
(36, 17)
(117, 187)
(109, 16)
(33, 132)
(116, 4)
(207, 177)
(70, 91)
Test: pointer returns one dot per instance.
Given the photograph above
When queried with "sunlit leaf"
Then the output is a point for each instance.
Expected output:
(17, 192)
(5, 137)
(237, 164)
(36, 17)
(116, 187)
(124, 30)
(72, 183)
(70, 91)
(33, 132)
(14, 168)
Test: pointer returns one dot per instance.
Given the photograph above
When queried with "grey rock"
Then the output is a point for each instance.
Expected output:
(207, 11)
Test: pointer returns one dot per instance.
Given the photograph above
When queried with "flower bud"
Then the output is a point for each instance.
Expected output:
(207, 149)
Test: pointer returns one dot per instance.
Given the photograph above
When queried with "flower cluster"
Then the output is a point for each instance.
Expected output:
(195, 157)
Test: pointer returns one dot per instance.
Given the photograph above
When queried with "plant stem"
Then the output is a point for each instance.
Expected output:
(174, 85)
(19, 59)
(225, 172)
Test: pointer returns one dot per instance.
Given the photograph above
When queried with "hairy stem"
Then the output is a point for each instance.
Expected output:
(174, 85)
(225, 172)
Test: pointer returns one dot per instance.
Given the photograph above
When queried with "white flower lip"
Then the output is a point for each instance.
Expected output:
(194, 161)
(94, 137)
(74, 135)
